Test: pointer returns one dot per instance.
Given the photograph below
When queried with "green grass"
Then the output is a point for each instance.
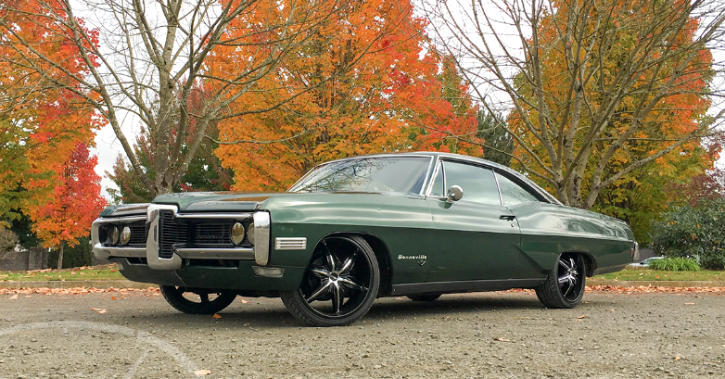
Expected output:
(647, 274)
(105, 272)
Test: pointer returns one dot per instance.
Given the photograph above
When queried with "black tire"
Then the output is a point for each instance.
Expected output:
(564, 286)
(339, 285)
(424, 297)
(200, 304)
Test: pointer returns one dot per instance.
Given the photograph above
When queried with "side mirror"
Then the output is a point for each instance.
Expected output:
(455, 193)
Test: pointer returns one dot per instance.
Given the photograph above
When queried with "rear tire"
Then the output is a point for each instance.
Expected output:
(200, 303)
(564, 286)
(424, 297)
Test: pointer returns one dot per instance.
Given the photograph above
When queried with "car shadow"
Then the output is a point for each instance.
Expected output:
(271, 313)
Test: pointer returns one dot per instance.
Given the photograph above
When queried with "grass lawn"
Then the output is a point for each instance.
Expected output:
(104, 272)
(650, 275)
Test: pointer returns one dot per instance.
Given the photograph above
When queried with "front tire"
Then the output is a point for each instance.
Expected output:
(339, 285)
(197, 302)
(564, 286)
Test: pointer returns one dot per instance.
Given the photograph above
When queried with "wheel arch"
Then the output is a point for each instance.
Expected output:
(589, 260)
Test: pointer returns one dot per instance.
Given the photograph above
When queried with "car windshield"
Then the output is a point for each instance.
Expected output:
(372, 174)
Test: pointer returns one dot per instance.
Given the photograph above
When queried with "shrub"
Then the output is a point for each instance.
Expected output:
(675, 264)
(8, 239)
(77, 256)
(690, 232)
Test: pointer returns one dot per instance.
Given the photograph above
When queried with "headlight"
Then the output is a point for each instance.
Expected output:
(114, 235)
(237, 233)
(250, 235)
(125, 235)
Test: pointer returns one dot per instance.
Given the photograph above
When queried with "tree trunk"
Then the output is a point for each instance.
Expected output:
(60, 256)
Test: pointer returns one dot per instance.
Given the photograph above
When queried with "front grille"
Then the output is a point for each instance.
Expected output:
(138, 235)
(171, 233)
(218, 234)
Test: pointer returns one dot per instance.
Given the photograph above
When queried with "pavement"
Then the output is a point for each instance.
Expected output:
(130, 284)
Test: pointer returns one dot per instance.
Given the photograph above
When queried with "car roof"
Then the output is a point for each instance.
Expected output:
(437, 154)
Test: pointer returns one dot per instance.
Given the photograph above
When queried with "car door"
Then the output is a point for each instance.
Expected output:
(477, 236)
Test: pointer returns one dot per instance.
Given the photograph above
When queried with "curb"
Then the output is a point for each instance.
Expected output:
(104, 284)
(632, 283)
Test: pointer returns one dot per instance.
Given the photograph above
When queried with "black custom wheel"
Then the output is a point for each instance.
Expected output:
(197, 302)
(424, 297)
(564, 287)
(340, 284)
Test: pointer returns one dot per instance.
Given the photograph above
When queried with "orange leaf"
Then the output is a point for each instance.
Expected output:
(217, 317)
(202, 372)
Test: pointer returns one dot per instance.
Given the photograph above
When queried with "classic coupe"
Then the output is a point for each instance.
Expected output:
(415, 224)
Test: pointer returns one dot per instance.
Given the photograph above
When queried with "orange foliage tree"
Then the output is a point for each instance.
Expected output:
(599, 92)
(75, 203)
(40, 124)
(364, 83)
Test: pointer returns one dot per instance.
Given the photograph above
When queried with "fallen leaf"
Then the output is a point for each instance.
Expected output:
(72, 272)
(689, 303)
(501, 339)
(111, 270)
(611, 310)
(202, 372)
(581, 317)
(677, 358)
(14, 297)
(113, 297)
(216, 316)
(244, 301)
(99, 310)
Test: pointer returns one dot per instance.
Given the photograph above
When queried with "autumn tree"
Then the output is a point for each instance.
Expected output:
(369, 83)
(595, 90)
(76, 202)
(205, 172)
(145, 59)
(40, 124)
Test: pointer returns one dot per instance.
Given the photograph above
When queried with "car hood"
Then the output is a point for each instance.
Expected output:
(216, 201)
(251, 201)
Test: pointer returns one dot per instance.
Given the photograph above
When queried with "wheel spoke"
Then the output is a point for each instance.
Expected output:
(336, 297)
(347, 266)
(350, 283)
(320, 272)
(564, 279)
(563, 264)
(569, 287)
(322, 289)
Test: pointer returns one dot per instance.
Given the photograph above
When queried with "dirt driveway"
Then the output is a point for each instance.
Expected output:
(494, 335)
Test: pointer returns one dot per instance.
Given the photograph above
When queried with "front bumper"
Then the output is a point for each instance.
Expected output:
(259, 253)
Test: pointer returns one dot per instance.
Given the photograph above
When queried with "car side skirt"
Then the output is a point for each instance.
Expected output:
(464, 286)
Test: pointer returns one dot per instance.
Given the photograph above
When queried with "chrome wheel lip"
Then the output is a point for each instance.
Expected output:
(335, 279)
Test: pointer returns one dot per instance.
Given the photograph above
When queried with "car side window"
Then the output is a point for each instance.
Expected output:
(512, 193)
(438, 189)
(478, 183)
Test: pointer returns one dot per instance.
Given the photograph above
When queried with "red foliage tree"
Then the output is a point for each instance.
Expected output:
(76, 202)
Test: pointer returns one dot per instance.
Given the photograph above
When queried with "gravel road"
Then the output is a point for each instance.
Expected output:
(490, 335)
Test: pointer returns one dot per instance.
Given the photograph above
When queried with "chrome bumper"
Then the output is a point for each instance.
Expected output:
(259, 253)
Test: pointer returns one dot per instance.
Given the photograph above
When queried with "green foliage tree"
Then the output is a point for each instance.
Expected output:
(498, 145)
(205, 172)
(691, 232)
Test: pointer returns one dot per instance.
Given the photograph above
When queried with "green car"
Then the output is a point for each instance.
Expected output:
(416, 224)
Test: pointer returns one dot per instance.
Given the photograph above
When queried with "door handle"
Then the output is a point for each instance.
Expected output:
(507, 217)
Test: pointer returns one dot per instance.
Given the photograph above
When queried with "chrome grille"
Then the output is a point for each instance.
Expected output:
(138, 235)
(212, 234)
(171, 233)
